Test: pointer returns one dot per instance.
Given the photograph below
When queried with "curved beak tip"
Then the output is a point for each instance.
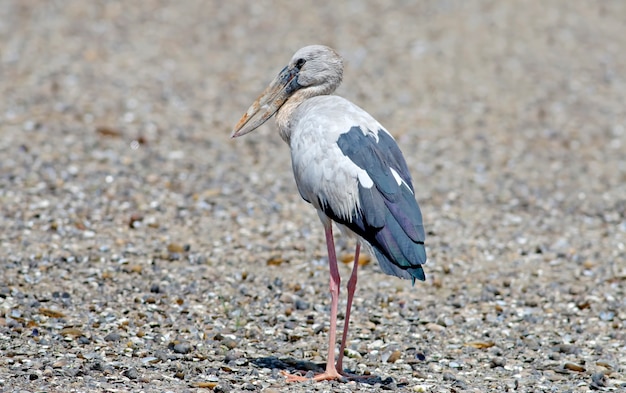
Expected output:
(239, 126)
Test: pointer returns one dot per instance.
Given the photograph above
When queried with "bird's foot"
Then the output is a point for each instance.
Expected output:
(326, 376)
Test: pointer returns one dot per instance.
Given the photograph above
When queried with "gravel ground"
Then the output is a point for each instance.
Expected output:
(143, 250)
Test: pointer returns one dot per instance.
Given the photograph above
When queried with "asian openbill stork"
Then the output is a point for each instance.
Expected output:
(349, 168)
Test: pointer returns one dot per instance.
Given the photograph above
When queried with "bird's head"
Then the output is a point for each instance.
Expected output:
(313, 70)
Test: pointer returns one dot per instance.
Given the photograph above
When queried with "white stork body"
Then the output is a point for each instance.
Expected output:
(348, 167)
(321, 170)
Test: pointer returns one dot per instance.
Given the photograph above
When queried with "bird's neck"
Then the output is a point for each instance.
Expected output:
(284, 116)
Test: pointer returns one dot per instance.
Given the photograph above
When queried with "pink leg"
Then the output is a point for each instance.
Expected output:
(335, 279)
(351, 289)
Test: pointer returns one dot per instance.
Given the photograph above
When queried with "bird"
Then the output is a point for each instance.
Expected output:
(350, 168)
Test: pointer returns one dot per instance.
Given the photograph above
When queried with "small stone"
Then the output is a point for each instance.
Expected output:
(175, 248)
(51, 313)
(206, 385)
(460, 384)
(286, 298)
(449, 377)
(351, 353)
(434, 327)
(607, 315)
(230, 343)
(183, 348)
(232, 355)
(107, 131)
(135, 220)
(302, 305)
(83, 340)
(131, 373)
(59, 363)
(150, 360)
(112, 337)
(161, 355)
(567, 349)
(598, 380)
(71, 331)
(223, 387)
(394, 357)
(275, 261)
(574, 367)
(497, 362)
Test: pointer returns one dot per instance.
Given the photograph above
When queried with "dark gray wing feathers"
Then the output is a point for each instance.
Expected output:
(389, 218)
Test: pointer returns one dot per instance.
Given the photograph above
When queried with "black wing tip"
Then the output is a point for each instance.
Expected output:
(417, 273)
(413, 272)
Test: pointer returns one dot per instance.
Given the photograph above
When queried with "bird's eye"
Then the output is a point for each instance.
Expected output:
(300, 63)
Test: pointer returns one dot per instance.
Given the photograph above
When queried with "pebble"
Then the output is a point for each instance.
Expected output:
(150, 360)
(83, 340)
(131, 373)
(598, 380)
(448, 377)
(434, 327)
(351, 353)
(302, 305)
(183, 348)
(175, 248)
(59, 363)
(286, 298)
(112, 337)
(223, 387)
(567, 349)
(497, 362)
(574, 367)
(232, 355)
(607, 315)
(230, 343)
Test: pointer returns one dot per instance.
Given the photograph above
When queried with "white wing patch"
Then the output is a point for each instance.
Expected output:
(399, 180)
(364, 179)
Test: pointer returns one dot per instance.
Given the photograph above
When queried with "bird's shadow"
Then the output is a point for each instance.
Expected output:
(303, 367)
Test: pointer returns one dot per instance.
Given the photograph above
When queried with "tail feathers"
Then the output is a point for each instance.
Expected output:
(409, 272)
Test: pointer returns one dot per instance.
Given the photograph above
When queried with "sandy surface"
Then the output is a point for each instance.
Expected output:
(143, 250)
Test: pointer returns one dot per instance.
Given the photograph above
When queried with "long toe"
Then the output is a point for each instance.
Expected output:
(326, 376)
